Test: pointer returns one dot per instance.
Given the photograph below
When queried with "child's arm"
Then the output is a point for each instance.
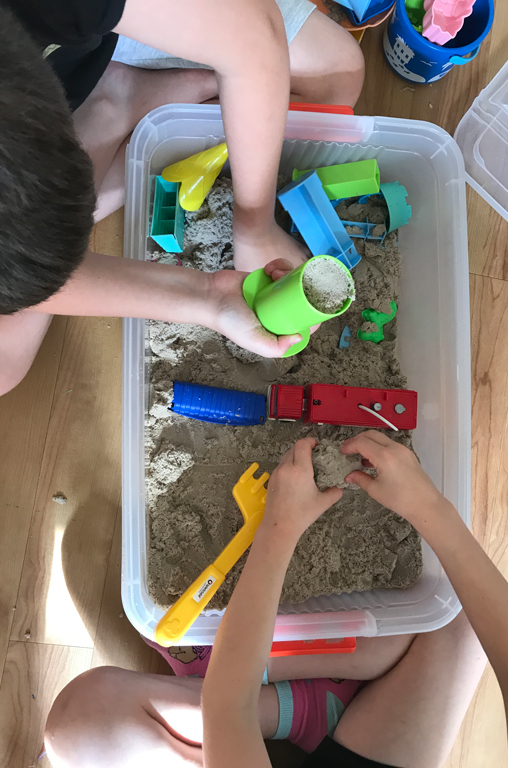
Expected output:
(232, 736)
(106, 286)
(245, 43)
(403, 486)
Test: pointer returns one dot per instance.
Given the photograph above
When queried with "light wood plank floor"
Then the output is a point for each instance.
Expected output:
(60, 608)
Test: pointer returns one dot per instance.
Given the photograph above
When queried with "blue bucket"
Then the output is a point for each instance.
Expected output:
(416, 59)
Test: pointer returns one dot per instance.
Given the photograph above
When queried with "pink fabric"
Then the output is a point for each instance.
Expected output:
(310, 719)
(185, 661)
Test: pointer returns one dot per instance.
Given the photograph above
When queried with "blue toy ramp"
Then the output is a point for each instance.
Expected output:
(218, 406)
(315, 218)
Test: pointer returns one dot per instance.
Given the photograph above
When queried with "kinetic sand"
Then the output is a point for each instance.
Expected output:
(192, 466)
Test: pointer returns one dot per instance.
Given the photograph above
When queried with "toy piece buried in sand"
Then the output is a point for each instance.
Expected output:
(197, 175)
(315, 219)
(250, 495)
(217, 405)
(444, 18)
(168, 218)
(310, 294)
(345, 338)
(377, 320)
(399, 212)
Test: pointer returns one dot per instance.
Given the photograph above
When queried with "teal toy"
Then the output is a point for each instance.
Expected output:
(380, 319)
(399, 211)
(168, 217)
(282, 306)
(348, 179)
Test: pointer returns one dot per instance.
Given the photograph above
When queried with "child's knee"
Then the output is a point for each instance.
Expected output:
(346, 56)
(79, 713)
(347, 67)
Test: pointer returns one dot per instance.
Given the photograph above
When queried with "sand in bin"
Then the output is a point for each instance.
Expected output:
(192, 466)
(326, 285)
(331, 467)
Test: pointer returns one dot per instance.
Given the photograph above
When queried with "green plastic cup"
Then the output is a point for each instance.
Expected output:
(282, 307)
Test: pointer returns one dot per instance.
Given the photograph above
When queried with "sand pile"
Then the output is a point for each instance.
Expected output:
(193, 466)
(326, 285)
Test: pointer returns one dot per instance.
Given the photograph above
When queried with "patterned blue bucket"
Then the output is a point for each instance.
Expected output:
(418, 60)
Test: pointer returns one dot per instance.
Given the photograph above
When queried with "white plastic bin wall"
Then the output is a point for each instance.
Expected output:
(433, 325)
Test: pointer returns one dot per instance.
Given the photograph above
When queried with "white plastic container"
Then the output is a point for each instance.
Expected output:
(433, 346)
(482, 135)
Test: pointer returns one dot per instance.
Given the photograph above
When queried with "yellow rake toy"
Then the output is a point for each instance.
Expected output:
(250, 495)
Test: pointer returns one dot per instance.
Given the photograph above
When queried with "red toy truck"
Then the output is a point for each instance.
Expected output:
(344, 406)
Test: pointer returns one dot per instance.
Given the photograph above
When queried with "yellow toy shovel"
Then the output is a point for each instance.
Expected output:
(197, 175)
(250, 495)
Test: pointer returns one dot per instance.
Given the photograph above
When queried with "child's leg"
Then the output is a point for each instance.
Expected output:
(112, 717)
(327, 65)
(123, 96)
(21, 335)
(410, 717)
(374, 656)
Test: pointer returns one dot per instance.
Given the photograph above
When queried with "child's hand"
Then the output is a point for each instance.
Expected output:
(232, 317)
(293, 501)
(255, 248)
(279, 268)
(401, 484)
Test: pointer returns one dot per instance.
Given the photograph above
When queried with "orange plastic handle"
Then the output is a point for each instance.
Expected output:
(313, 647)
(332, 109)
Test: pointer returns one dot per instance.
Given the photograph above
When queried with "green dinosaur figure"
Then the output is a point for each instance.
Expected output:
(380, 319)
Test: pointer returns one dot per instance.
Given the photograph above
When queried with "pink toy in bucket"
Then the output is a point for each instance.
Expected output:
(444, 18)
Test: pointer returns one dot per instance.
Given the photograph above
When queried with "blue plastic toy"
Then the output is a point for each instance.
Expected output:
(399, 212)
(168, 216)
(366, 228)
(344, 337)
(314, 216)
(360, 11)
(218, 406)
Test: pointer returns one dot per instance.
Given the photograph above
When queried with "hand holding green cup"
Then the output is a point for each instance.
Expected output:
(282, 306)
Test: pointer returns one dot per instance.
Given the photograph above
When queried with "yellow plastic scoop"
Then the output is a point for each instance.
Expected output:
(196, 175)
(250, 495)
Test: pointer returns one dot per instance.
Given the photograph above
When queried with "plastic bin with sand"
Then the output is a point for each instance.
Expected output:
(433, 346)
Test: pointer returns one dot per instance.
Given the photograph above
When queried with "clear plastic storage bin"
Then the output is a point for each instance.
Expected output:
(482, 135)
(433, 325)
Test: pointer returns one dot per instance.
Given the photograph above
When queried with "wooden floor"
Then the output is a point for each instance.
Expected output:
(60, 431)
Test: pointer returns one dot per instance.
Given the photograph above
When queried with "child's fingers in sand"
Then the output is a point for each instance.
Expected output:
(303, 450)
(362, 480)
(366, 441)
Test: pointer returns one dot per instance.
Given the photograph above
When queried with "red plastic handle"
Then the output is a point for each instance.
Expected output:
(313, 647)
(332, 109)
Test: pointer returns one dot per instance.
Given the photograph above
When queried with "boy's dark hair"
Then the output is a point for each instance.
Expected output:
(47, 196)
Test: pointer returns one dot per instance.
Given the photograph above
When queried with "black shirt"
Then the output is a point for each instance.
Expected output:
(74, 36)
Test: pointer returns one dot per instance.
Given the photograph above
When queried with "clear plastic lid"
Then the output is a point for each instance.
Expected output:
(482, 135)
